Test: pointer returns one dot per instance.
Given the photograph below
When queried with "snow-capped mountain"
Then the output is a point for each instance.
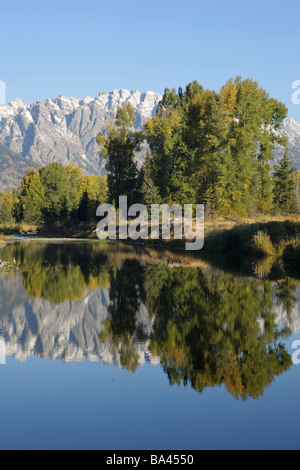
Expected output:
(291, 129)
(65, 129)
(13, 167)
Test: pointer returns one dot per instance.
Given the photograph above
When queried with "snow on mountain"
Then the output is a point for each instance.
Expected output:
(291, 129)
(65, 129)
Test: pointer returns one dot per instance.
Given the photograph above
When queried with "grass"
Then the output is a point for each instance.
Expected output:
(249, 244)
(263, 247)
(16, 229)
(253, 239)
(262, 244)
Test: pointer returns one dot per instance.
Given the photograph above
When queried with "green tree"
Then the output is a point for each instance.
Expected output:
(150, 193)
(57, 201)
(32, 197)
(163, 134)
(216, 148)
(7, 206)
(285, 186)
(93, 192)
(118, 147)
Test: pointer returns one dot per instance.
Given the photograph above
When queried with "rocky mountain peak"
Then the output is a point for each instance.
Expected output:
(64, 129)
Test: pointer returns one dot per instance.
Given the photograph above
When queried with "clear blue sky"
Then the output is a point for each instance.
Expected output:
(80, 48)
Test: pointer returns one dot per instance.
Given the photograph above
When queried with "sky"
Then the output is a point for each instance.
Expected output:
(80, 48)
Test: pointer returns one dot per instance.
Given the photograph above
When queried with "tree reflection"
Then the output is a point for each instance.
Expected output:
(59, 272)
(208, 328)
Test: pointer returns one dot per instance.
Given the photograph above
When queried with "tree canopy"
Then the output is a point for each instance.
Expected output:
(216, 148)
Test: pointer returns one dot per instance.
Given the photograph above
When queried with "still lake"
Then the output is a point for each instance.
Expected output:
(107, 346)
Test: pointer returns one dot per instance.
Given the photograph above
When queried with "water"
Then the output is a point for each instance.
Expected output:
(117, 347)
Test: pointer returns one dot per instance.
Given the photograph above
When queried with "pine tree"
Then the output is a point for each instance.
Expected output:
(216, 148)
(57, 200)
(150, 193)
(118, 148)
(285, 186)
(297, 181)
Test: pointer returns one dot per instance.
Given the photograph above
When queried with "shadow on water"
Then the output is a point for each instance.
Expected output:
(208, 328)
(235, 250)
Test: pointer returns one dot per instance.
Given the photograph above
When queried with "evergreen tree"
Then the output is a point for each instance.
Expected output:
(118, 148)
(285, 186)
(57, 201)
(150, 193)
(216, 148)
(297, 181)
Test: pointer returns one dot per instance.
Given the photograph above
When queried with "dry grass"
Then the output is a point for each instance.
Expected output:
(11, 229)
(220, 223)
(262, 244)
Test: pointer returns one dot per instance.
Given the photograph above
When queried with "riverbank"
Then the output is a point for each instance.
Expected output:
(266, 242)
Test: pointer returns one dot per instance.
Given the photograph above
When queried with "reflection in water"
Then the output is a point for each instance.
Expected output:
(126, 306)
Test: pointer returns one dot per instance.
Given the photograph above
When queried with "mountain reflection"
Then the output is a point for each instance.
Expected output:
(130, 305)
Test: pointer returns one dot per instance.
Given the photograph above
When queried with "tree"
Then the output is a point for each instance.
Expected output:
(93, 192)
(7, 204)
(118, 147)
(216, 148)
(150, 193)
(285, 186)
(32, 197)
(57, 203)
(297, 182)
(163, 134)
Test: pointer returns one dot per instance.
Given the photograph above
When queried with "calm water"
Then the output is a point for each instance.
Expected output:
(111, 347)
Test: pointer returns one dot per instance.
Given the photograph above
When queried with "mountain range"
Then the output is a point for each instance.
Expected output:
(64, 130)
(291, 129)
(70, 331)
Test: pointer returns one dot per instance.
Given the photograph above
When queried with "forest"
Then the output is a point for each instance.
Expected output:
(201, 147)
(54, 196)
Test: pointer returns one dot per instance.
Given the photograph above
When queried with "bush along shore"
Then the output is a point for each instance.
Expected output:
(263, 246)
(246, 245)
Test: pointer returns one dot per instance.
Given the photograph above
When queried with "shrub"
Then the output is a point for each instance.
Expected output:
(262, 244)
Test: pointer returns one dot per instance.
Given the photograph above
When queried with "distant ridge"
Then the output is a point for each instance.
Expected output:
(291, 129)
(13, 166)
(64, 130)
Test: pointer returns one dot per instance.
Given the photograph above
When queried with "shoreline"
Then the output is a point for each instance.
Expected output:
(240, 245)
